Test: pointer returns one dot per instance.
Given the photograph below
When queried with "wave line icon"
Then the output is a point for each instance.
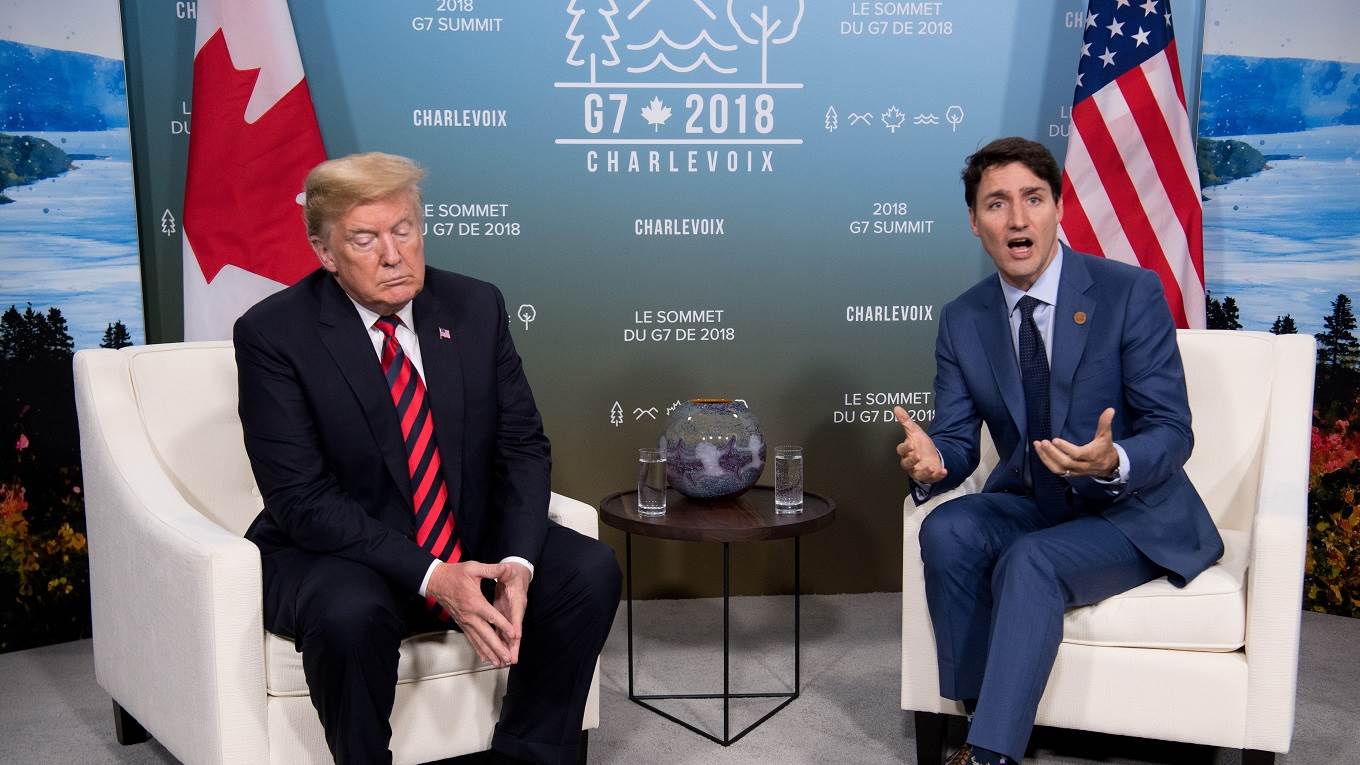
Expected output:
(702, 60)
(662, 37)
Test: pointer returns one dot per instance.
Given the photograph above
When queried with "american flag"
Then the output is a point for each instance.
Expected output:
(1130, 182)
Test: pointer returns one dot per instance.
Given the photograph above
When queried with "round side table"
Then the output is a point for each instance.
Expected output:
(749, 517)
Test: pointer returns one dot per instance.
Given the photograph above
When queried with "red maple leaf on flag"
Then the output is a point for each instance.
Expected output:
(240, 197)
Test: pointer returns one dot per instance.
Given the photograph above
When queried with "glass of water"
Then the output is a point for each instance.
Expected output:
(651, 482)
(788, 479)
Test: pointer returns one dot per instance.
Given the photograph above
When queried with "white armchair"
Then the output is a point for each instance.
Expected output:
(175, 587)
(1216, 662)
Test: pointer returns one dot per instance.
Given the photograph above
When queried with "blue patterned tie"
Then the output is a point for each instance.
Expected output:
(1048, 488)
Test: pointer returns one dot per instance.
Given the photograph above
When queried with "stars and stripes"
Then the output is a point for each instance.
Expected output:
(1130, 182)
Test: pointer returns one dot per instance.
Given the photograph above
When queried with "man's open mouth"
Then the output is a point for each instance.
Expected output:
(1020, 243)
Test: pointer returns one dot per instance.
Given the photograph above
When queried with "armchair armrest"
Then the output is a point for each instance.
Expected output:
(574, 514)
(175, 598)
(1279, 542)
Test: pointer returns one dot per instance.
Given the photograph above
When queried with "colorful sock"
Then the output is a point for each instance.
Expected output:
(988, 757)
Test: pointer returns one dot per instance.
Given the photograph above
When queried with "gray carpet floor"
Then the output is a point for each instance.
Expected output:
(51, 710)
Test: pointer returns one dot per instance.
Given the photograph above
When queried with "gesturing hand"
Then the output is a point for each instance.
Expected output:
(458, 588)
(1097, 458)
(917, 453)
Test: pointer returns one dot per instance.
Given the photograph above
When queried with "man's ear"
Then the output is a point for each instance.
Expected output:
(323, 253)
(972, 221)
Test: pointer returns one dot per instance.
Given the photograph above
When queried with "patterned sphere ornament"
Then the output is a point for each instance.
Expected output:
(714, 448)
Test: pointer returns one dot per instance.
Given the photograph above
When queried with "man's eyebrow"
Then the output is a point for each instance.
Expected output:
(1032, 190)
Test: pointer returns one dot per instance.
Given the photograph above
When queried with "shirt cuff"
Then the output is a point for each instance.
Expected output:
(428, 573)
(509, 559)
(1121, 476)
(520, 561)
(920, 491)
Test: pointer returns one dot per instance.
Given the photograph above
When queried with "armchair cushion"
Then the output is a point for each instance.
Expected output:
(429, 655)
(186, 401)
(1209, 614)
(423, 657)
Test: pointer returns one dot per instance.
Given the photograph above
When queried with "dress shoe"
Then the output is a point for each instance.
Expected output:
(961, 756)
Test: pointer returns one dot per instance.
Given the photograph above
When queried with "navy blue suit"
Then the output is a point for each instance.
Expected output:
(999, 569)
(341, 568)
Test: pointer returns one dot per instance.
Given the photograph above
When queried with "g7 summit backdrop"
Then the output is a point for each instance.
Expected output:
(680, 198)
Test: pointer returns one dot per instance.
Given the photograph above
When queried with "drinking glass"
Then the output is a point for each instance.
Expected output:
(651, 482)
(788, 479)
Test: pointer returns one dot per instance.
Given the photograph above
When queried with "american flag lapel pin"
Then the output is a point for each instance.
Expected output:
(444, 334)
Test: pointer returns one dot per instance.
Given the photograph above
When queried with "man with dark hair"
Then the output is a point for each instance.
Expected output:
(405, 477)
(1071, 361)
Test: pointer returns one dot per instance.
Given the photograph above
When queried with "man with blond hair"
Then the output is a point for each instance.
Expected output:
(405, 476)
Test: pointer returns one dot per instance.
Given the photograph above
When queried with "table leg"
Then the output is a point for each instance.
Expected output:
(727, 694)
(628, 556)
(797, 615)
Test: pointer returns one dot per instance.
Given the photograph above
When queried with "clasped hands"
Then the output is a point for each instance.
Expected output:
(921, 460)
(493, 628)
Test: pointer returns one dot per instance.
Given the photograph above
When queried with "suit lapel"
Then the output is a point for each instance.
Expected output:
(1069, 335)
(348, 342)
(441, 357)
(994, 331)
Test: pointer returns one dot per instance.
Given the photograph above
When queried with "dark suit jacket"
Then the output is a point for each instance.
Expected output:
(326, 448)
(1124, 355)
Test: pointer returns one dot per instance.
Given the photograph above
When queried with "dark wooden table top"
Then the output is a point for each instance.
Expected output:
(749, 517)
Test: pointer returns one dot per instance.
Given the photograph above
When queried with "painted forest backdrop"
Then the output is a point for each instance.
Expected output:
(69, 279)
(1279, 144)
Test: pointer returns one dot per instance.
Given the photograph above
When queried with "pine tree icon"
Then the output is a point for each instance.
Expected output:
(167, 223)
(616, 415)
(832, 122)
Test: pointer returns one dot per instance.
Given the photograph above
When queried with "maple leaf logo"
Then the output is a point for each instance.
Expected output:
(656, 113)
(893, 118)
(244, 171)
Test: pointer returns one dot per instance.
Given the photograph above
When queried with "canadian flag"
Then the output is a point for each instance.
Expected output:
(254, 139)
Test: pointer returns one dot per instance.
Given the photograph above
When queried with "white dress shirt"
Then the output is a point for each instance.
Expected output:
(410, 345)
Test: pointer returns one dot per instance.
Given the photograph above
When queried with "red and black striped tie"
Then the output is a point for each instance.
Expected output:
(434, 516)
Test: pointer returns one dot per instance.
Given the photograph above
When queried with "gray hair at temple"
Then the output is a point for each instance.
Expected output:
(337, 185)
